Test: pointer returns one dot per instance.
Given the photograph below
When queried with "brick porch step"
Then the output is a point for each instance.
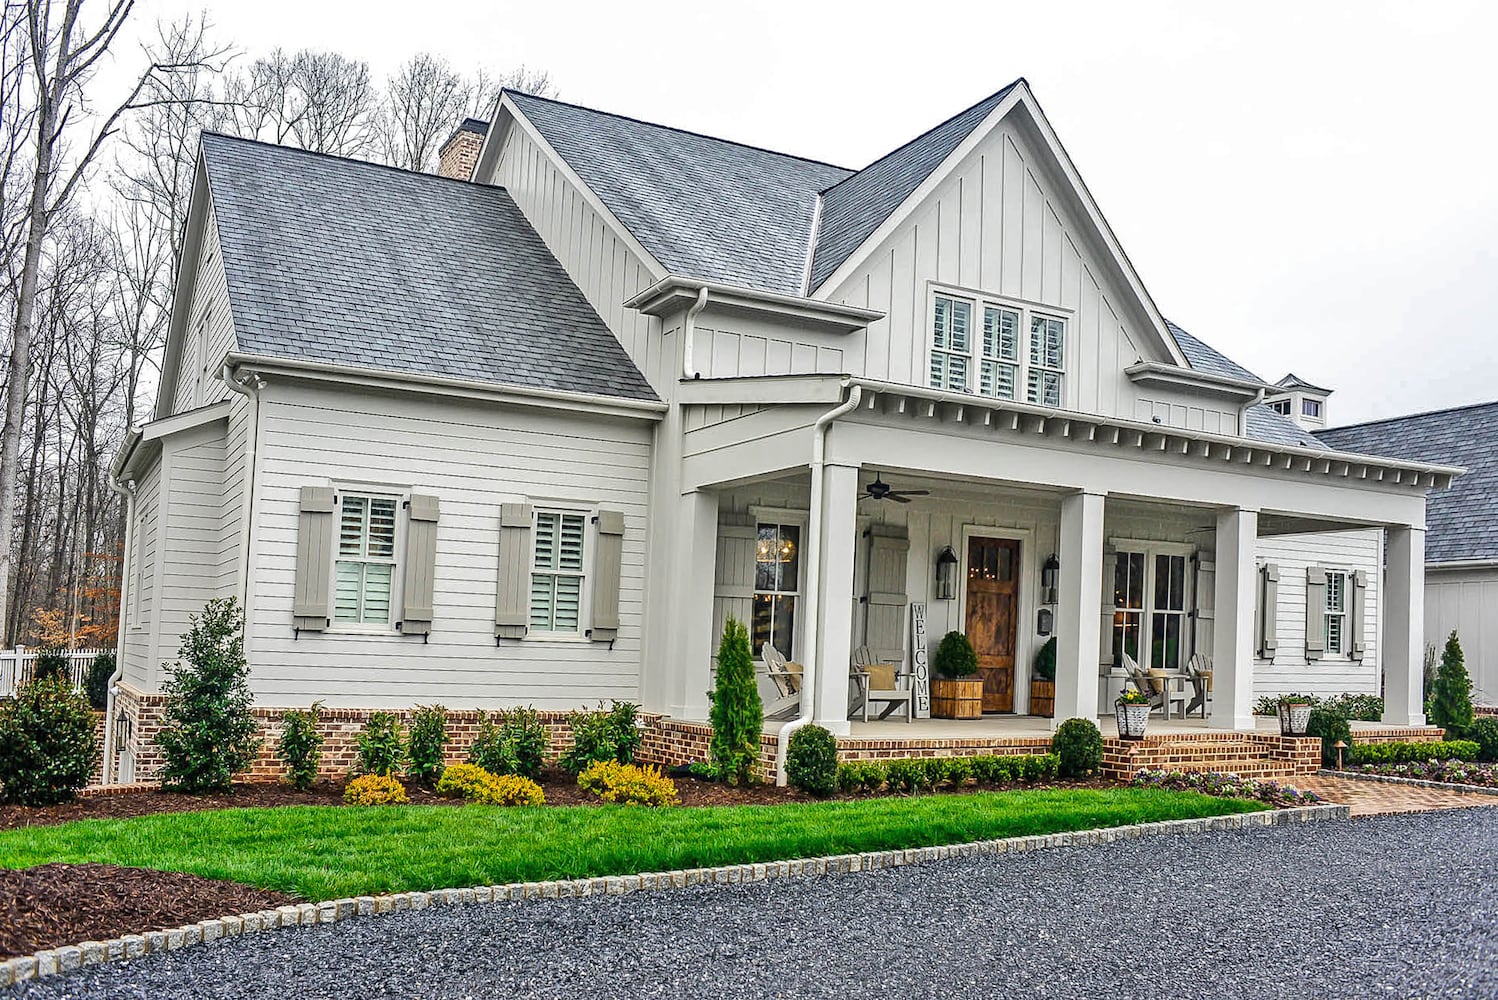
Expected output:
(1255, 755)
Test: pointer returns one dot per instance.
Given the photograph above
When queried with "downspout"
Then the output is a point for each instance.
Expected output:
(126, 568)
(813, 580)
(249, 388)
(687, 334)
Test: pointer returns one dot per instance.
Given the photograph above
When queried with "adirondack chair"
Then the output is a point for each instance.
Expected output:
(881, 682)
(787, 683)
(1200, 665)
(1155, 685)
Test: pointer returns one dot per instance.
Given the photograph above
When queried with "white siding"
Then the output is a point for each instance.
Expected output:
(1333, 673)
(1466, 602)
(190, 536)
(142, 603)
(473, 457)
(204, 346)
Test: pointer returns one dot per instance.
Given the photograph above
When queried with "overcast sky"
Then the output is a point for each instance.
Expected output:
(1308, 187)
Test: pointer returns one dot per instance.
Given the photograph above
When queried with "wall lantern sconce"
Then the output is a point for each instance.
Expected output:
(1048, 579)
(946, 575)
(1045, 621)
(122, 723)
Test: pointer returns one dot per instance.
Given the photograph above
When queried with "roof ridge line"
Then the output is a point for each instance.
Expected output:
(1409, 416)
(345, 159)
(941, 124)
(684, 131)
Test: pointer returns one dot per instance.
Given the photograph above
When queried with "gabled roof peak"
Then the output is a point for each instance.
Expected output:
(1294, 381)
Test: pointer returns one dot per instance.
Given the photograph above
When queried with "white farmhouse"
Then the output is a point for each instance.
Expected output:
(529, 434)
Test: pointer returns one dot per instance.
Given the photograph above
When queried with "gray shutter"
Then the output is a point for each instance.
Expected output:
(421, 565)
(608, 561)
(512, 605)
(1315, 612)
(314, 559)
(1359, 582)
(1204, 611)
(733, 580)
(885, 602)
(1268, 610)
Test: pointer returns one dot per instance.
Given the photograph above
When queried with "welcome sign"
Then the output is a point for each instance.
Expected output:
(919, 667)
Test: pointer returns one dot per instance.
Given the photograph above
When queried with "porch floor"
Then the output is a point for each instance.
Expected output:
(1031, 726)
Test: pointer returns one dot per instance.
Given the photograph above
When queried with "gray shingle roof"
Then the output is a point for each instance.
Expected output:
(703, 207)
(352, 263)
(1461, 522)
(855, 207)
(1260, 423)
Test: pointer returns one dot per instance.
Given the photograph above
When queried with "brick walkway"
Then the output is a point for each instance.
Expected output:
(1370, 798)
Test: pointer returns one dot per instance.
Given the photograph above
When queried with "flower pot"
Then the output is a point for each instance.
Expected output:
(957, 697)
(1131, 721)
(1294, 717)
(1042, 697)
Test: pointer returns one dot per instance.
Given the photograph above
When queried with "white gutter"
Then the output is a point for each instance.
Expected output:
(126, 568)
(687, 368)
(813, 579)
(249, 388)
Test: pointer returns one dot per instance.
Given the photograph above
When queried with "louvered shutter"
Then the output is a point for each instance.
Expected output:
(512, 605)
(1315, 612)
(1268, 610)
(608, 561)
(1358, 612)
(421, 565)
(314, 559)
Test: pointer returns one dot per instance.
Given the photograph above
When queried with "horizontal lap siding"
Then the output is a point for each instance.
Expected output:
(192, 528)
(1333, 674)
(142, 604)
(473, 457)
(231, 503)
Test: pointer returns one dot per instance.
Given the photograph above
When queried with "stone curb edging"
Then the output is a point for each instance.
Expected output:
(1394, 779)
(53, 961)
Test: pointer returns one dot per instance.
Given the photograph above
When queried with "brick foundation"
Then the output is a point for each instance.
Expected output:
(1255, 755)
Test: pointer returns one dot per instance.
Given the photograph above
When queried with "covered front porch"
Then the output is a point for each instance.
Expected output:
(1114, 539)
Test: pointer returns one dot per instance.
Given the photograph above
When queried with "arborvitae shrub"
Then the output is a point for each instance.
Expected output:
(738, 715)
(1451, 697)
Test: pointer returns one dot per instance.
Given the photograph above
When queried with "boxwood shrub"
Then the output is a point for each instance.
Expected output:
(811, 761)
(1407, 753)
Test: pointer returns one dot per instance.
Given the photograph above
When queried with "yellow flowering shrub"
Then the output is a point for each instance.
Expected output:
(628, 784)
(473, 783)
(374, 790)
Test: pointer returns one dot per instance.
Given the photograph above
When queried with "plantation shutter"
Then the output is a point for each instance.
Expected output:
(608, 561)
(314, 559)
(1204, 610)
(512, 605)
(1359, 616)
(1268, 610)
(421, 565)
(1315, 612)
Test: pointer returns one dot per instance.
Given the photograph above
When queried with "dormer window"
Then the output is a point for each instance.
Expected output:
(1019, 353)
(1280, 406)
(1310, 408)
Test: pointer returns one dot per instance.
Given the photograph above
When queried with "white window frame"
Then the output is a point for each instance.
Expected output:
(979, 304)
(589, 514)
(1308, 405)
(397, 559)
(1338, 582)
(781, 518)
(1150, 550)
(1280, 406)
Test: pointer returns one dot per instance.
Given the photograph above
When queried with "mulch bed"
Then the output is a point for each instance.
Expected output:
(52, 905)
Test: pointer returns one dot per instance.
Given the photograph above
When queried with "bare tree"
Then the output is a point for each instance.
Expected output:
(62, 54)
(484, 88)
(424, 100)
(320, 101)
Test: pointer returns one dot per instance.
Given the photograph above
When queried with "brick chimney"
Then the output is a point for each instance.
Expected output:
(460, 154)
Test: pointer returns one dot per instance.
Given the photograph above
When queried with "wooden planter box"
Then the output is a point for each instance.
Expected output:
(1042, 697)
(957, 699)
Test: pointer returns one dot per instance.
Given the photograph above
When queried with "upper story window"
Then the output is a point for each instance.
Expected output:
(1019, 353)
(558, 572)
(1310, 407)
(1280, 406)
(364, 572)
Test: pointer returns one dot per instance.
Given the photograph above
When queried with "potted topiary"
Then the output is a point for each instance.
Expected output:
(956, 690)
(1294, 712)
(1133, 711)
(1043, 681)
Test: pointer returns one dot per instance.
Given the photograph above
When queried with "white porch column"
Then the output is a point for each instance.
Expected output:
(1232, 629)
(835, 604)
(690, 596)
(1079, 634)
(1404, 626)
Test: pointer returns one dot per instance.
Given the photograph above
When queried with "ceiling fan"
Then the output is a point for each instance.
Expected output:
(880, 490)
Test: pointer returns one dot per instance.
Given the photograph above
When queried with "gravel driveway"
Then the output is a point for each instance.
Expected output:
(1392, 906)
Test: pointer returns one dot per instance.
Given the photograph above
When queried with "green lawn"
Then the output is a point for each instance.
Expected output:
(324, 852)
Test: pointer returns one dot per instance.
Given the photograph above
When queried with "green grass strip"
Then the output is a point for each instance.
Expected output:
(325, 852)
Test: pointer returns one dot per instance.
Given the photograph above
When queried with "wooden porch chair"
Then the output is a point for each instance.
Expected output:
(1200, 668)
(881, 682)
(787, 680)
(1153, 685)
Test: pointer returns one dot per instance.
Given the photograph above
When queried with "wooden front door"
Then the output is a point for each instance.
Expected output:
(993, 615)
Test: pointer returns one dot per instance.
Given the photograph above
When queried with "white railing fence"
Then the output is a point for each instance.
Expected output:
(18, 665)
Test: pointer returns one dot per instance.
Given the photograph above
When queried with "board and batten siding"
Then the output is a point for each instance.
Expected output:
(473, 457)
(204, 344)
(995, 226)
(1466, 601)
(597, 260)
(1332, 674)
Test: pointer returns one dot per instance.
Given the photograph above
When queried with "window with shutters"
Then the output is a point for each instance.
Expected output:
(1016, 352)
(1336, 612)
(364, 569)
(558, 574)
